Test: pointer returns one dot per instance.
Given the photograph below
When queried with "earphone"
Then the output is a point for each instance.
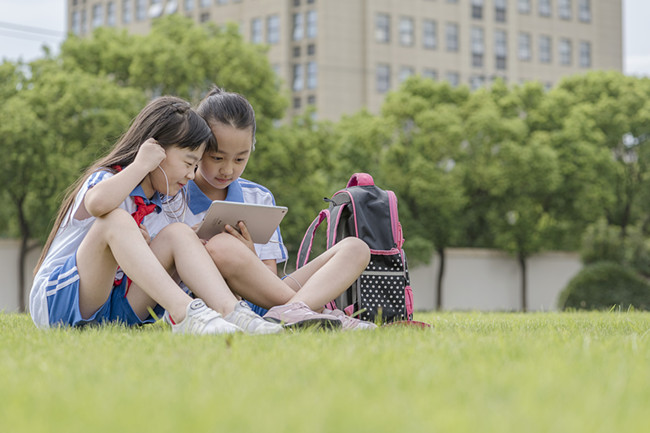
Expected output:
(169, 211)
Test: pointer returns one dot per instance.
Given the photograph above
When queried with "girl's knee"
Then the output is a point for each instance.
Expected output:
(177, 230)
(356, 248)
(225, 250)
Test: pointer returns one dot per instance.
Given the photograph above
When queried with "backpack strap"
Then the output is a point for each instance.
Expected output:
(361, 179)
(308, 239)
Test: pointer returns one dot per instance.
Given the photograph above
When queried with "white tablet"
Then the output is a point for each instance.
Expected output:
(261, 220)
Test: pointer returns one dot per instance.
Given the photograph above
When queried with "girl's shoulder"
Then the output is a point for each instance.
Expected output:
(97, 176)
(255, 193)
(249, 184)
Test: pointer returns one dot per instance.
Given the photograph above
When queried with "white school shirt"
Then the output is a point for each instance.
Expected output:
(69, 237)
(242, 191)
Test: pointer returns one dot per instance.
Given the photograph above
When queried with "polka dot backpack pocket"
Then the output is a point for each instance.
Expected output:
(382, 293)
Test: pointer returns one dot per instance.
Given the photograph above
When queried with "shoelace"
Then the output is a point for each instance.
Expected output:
(201, 320)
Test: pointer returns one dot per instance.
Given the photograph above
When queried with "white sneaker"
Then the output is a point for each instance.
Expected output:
(200, 320)
(251, 323)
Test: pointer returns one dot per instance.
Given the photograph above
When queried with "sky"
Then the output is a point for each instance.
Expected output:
(19, 39)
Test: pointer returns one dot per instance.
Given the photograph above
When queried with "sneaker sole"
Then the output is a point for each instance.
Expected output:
(326, 324)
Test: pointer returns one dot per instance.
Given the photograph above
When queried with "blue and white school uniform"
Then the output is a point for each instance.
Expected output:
(242, 191)
(54, 297)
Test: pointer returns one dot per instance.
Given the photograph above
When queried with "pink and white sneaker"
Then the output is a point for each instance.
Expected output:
(349, 323)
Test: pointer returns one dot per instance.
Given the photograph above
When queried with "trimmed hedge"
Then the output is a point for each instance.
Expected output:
(603, 285)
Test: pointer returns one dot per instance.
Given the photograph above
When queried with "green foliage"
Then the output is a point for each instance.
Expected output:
(603, 285)
(54, 126)
(603, 242)
(181, 58)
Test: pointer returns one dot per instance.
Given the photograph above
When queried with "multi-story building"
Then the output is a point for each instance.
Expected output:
(342, 55)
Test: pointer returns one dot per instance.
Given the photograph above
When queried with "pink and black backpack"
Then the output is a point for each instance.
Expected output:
(382, 293)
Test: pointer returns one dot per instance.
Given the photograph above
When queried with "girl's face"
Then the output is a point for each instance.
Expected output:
(178, 168)
(217, 170)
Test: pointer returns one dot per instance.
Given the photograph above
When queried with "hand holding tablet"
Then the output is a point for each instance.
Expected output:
(261, 220)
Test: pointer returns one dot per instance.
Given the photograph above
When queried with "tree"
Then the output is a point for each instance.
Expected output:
(420, 165)
(54, 125)
(181, 58)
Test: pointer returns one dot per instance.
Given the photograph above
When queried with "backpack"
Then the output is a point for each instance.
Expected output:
(382, 293)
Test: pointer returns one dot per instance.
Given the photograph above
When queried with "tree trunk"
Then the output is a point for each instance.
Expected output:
(524, 289)
(441, 274)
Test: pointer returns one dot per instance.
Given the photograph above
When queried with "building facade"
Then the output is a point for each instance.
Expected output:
(342, 55)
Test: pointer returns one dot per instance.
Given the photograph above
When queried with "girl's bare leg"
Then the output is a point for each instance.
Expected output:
(115, 239)
(322, 279)
(330, 274)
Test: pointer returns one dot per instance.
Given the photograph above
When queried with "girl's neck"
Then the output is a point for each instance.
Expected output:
(211, 192)
(147, 186)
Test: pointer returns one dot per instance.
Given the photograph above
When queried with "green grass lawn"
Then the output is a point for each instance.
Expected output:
(472, 372)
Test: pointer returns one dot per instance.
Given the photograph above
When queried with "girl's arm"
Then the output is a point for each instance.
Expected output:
(110, 193)
(272, 264)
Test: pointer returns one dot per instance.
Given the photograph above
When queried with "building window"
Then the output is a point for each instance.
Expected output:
(478, 47)
(453, 78)
(406, 31)
(564, 9)
(98, 16)
(476, 82)
(545, 49)
(297, 82)
(140, 10)
(83, 28)
(524, 46)
(296, 3)
(405, 72)
(297, 102)
(430, 34)
(523, 6)
(76, 23)
(545, 8)
(585, 54)
(584, 10)
(222, 2)
(383, 78)
(311, 100)
(451, 36)
(382, 28)
(189, 5)
(311, 49)
(500, 7)
(312, 75)
(565, 51)
(110, 14)
(204, 3)
(204, 17)
(273, 29)
(431, 74)
(155, 8)
(296, 51)
(312, 24)
(501, 49)
(477, 9)
(298, 29)
(256, 30)
(126, 11)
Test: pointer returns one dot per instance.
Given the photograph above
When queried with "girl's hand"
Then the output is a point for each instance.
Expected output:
(145, 234)
(242, 234)
(150, 155)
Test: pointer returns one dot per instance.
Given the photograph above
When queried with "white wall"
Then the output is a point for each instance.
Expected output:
(475, 279)
(9, 249)
(489, 280)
